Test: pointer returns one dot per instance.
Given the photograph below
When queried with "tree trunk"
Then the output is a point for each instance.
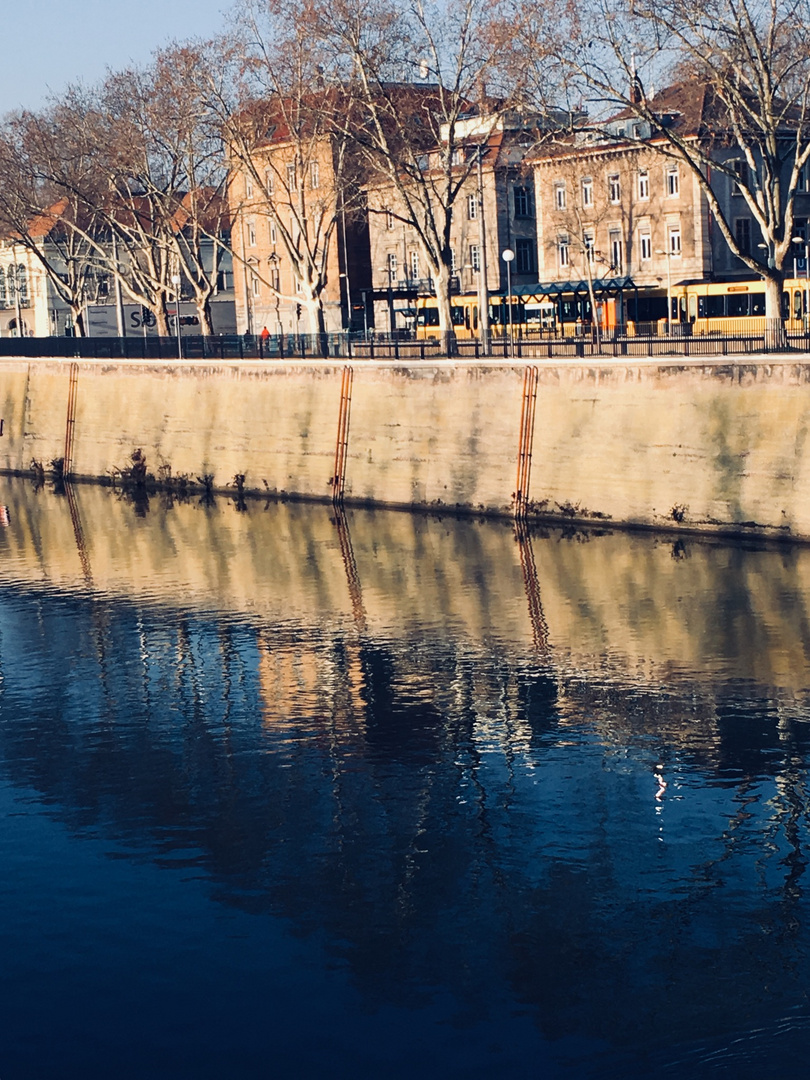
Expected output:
(775, 336)
(161, 319)
(204, 315)
(77, 314)
(444, 306)
(317, 324)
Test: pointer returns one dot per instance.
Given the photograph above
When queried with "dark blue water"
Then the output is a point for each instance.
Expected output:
(285, 796)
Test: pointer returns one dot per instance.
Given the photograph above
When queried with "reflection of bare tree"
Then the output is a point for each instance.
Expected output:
(436, 810)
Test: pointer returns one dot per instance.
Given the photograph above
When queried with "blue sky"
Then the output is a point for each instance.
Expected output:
(48, 43)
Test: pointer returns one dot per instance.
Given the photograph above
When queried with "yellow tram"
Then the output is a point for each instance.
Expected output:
(706, 307)
(735, 307)
(531, 316)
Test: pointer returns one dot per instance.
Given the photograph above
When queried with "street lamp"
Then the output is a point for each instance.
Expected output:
(507, 255)
(802, 240)
(668, 254)
(176, 283)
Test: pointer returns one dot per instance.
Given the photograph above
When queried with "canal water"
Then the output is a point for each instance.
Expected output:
(382, 795)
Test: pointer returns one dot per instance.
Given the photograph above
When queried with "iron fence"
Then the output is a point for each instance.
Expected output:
(638, 341)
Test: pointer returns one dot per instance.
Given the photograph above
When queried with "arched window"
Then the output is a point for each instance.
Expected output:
(2, 285)
(22, 284)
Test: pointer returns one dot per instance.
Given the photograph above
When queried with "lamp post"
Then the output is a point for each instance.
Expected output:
(669, 290)
(804, 242)
(507, 255)
(389, 271)
(176, 283)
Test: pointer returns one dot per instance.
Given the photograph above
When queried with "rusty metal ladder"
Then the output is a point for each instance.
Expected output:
(70, 422)
(528, 411)
(342, 446)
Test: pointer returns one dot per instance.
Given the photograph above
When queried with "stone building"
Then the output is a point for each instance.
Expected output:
(299, 236)
(614, 207)
(493, 211)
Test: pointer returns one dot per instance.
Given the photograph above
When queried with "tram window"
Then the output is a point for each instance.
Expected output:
(467, 318)
(457, 315)
(758, 303)
(569, 310)
(428, 316)
(785, 305)
(475, 316)
(797, 305)
(737, 305)
(715, 306)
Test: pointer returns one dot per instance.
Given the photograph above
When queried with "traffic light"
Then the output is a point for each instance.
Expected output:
(298, 311)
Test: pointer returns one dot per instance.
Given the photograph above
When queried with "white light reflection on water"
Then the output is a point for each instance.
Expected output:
(390, 794)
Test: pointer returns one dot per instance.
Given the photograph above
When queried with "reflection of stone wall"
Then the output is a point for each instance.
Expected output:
(636, 604)
(703, 446)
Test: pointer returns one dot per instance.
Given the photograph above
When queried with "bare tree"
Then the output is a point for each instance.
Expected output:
(287, 155)
(417, 72)
(140, 177)
(37, 214)
(165, 176)
(750, 64)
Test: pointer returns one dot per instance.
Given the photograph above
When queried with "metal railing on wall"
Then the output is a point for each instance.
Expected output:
(637, 341)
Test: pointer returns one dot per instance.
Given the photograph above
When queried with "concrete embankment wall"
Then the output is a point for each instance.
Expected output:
(701, 445)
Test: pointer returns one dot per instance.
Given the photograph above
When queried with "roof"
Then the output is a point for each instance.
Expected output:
(601, 287)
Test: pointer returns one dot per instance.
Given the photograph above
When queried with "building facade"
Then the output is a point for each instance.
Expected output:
(299, 236)
(494, 211)
(618, 211)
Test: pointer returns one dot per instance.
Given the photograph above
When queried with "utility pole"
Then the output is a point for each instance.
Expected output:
(119, 299)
